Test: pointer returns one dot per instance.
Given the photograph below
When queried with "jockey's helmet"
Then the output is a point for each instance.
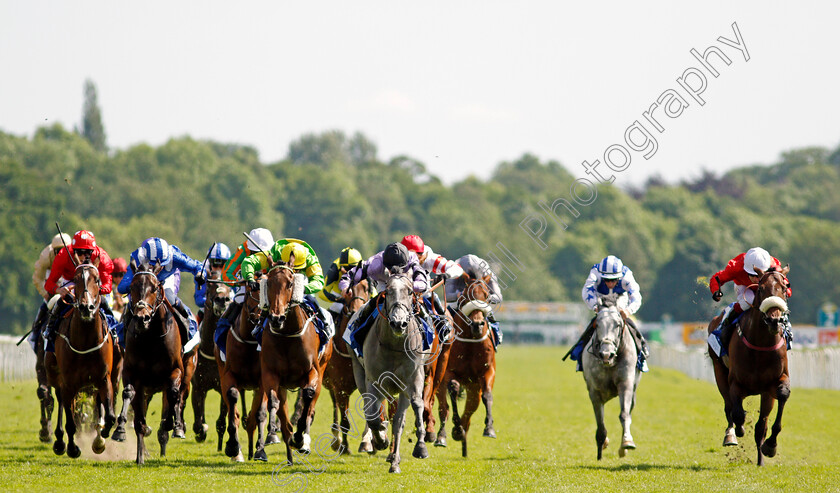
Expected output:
(296, 249)
(120, 266)
(156, 251)
(349, 257)
(414, 244)
(395, 255)
(611, 267)
(60, 240)
(263, 238)
(757, 258)
(84, 240)
(219, 251)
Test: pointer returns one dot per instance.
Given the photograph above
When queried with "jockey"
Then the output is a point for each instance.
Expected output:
(156, 251)
(741, 271)
(117, 301)
(476, 268)
(218, 255)
(306, 263)
(231, 274)
(606, 277)
(376, 270)
(39, 277)
(349, 258)
(434, 264)
(84, 248)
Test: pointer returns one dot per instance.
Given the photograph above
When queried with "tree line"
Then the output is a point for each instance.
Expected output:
(333, 190)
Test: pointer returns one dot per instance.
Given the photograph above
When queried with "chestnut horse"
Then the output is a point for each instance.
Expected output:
(153, 359)
(757, 363)
(206, 378)
(240, 371)
(290, 358)
(471, 364)
(84, 358)
(338, 377)
(435, 370)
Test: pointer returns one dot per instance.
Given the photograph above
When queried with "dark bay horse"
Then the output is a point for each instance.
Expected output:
(84, 356)
(44, 392)
(290, 357)
(609, 369)
(757, 363)
(153, 359)
(393, 364)
(206, 378)
(338, 377)
(471, 364)
(240, 371)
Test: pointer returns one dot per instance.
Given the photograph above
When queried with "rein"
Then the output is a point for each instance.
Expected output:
(96, 313)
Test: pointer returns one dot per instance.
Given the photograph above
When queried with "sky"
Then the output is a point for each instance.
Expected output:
(460, 86)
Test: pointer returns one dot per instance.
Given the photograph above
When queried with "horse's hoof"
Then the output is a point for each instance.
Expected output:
(394, 468)
(457, 433)
(489, 432)
(628, 444)
(390, 458)
(729, 439)
(622, 452)
(147, 431)
(420, 451)
(232, 449)
(767, 450)
(45, 436)
(430, 437)
(606, 442)
(440, 442)
(238, 458)
(739, 431)
(200, 437)
(344, 450)
(59, 448)
(98, 445)
(260, 455)
(73, 451)
(179, 433)
(366, 447)
(42, 393)
(272, 438)
(118, 435)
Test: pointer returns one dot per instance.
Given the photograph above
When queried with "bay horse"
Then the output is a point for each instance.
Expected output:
(393, 364)
(206, 378)
(471, 364)
(84, 359)
(44, 392)
(338, 377)
(609, 369)
(290, 358)
(240, 371)
(757, 363)
(153, 356)
(435, 369)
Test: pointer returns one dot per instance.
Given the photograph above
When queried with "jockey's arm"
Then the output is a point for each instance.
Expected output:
(39, 275)
(634, 293)
(251, 264)
(315, 276)
(589, 293)
(106, 268)
(230, 272)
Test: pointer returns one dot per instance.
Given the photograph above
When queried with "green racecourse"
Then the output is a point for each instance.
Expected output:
(546, 442)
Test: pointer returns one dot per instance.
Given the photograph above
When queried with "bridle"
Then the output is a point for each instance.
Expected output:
(595, 347)
(77, 305)
(160, 298)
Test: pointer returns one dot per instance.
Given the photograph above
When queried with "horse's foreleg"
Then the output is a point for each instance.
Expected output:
(737, 413)
(601, 439)
(58, 446)
(127, 397)
(68, 397)
(309, 396)
(429, 401)
(220, 423)
(138, 404)
(166, 419)
(230, 394)
(397, 429)
(418, 403)
(198, 396)
(373, 416)
(625, 395)
(46, 400)
(106, 396)
(487, 400)
(443, 414)
(722, 381)
(256, 421)
(284, 423)
(768, 448)
(766, 407)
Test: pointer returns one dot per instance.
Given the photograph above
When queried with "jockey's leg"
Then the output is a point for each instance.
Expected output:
(641, 343)
(727, 324)
(38, 324)
(51, 328)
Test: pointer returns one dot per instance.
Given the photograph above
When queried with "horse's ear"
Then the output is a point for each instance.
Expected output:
(157, 269)
(758, 272)
(487, 279)
(785, 270)
(133, 265)
(394, 270)
(291, 262)
(96, 262)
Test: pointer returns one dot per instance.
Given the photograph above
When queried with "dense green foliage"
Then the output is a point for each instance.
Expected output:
(546, 442)
(333, 191)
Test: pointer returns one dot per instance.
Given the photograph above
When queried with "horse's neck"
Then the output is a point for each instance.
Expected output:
(756, 330)
(85, 330)
(295, 318)
(207, 330)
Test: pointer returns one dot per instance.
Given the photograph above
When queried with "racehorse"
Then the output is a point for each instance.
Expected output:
(609, 369)
(338, 377)
(44, 391)
(393, 364)
(153, 359)
(435, 369)
(757, 363)
(471, 364)
(84, 359)
(240, 371)
(290, 357)
(206, 378)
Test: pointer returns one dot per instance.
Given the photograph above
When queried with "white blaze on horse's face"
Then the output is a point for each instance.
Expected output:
(608, 326)
(87, 293)
(398, 302)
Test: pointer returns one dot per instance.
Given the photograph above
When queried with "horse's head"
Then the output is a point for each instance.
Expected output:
(474, 304)
(399, 292)
(146, 293)
(356, 297)
(771, 296)
(86, 289)
(219, 295)
(609, 329)
(280, 287)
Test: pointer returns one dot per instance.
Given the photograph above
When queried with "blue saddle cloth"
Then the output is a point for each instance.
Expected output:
(360, 328)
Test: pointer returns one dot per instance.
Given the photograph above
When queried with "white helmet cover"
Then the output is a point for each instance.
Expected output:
(757, 257)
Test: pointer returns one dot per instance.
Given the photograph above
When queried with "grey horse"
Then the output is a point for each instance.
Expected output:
(609, 369)
(393, 364)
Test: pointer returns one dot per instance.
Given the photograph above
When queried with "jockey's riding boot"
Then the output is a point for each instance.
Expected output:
(583, 339)
(437, 305)
(43, 314)
(182, 316)
(727, 325)
(232, 312)
(51, 328)
(641, 343)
